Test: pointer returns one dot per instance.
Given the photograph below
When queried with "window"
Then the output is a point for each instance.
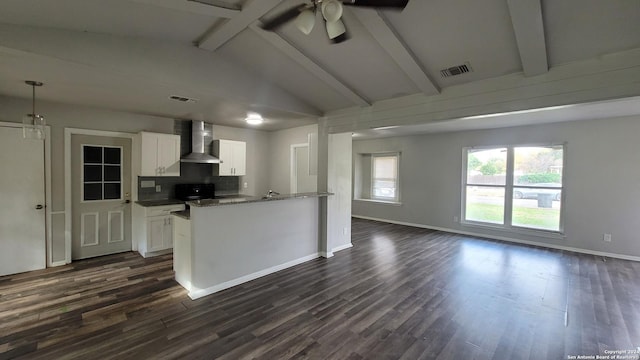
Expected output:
(101, 173)
(384, 177)
(514, 187)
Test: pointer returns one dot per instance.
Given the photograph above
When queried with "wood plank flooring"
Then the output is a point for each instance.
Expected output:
(399, 293)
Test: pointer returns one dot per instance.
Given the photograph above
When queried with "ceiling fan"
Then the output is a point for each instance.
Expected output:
(331, 10)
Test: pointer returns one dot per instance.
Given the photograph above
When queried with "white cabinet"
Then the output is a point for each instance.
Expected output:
(153, 228)
(233, 157)
(160, 154)
(160, 233)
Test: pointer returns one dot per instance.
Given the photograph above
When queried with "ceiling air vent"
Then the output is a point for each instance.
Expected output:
(456, 70)
(182, 99)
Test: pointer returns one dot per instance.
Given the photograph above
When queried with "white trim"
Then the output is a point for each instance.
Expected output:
(393, 203)
(243, 279)
(121, 237)
(47, 189)
(507, 239)
(97, 229)
(342, 247)
(326, 254)
(58, 263)
(67, 181)
(293, 175)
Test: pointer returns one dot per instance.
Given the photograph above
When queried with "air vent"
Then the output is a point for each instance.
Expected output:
(182, 99)
(456, 70)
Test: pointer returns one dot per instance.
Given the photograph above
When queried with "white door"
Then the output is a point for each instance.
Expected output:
(22, 214)
(101, 188)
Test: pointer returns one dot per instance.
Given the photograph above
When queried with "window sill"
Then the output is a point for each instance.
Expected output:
(549, 234)
(385, 202)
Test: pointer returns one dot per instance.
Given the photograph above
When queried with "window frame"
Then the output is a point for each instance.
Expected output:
(102, 182)
(396, 198)
(509, 186)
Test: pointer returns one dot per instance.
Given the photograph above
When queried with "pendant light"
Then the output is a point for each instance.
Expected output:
(33, 124)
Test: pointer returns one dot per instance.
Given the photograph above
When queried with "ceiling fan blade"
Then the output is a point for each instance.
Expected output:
(283, 18)
(399, 4)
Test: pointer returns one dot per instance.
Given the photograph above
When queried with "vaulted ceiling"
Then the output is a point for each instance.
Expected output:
(131, 55)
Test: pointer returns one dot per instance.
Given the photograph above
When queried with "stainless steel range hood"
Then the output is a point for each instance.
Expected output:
(198, 155)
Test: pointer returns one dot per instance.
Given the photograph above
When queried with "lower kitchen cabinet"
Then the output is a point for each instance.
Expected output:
(153, 228)
(160, 233)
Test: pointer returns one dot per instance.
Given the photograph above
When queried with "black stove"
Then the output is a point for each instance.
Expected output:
(189, 192)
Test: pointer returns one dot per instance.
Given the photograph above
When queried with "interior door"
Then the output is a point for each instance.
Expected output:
(101, 188)
(22, 214)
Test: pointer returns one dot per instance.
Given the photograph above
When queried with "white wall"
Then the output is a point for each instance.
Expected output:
(339, 183)
(602, 180)
(280, 155)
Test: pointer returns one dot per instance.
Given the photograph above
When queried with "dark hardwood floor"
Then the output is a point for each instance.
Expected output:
(399, 293)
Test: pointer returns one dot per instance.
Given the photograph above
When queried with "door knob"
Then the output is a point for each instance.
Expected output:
(39, 207)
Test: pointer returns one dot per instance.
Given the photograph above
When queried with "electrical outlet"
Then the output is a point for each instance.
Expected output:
(345, 231)
(245, 185)
(158, 188)
(606, 237)
(455, 219)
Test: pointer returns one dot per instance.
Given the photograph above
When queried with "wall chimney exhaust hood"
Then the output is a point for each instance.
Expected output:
(198, 154)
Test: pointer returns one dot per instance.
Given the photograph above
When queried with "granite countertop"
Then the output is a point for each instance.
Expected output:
(253, 199)
(185, 214)
(161, 202)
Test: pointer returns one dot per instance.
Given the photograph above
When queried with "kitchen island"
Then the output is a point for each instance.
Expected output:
(221, 243)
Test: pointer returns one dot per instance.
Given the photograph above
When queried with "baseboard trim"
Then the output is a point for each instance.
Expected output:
(342, 247)
(326, 254)
(507, 239)
(58, 263)
(243, 279)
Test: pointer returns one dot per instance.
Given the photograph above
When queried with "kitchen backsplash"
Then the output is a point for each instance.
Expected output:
(190, 173)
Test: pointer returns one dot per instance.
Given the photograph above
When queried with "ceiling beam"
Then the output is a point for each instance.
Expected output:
(391, 43)
(251, 12)
(526, 18)
(193, 7)
(296, 55)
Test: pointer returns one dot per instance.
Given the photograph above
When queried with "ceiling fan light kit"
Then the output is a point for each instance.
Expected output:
(331, 10)
(335, 29)
(305, 21)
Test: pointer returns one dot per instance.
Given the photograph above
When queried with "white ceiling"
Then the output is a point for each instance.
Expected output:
(130, 55)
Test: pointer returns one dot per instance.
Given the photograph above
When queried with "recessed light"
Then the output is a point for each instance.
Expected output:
(254, 119)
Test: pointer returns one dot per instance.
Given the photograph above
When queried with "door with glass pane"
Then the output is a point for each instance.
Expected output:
(101, 188)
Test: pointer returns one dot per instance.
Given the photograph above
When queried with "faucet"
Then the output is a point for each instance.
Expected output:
(272, 193)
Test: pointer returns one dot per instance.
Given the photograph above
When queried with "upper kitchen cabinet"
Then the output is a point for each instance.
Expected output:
(233, 157)
(160, 154)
